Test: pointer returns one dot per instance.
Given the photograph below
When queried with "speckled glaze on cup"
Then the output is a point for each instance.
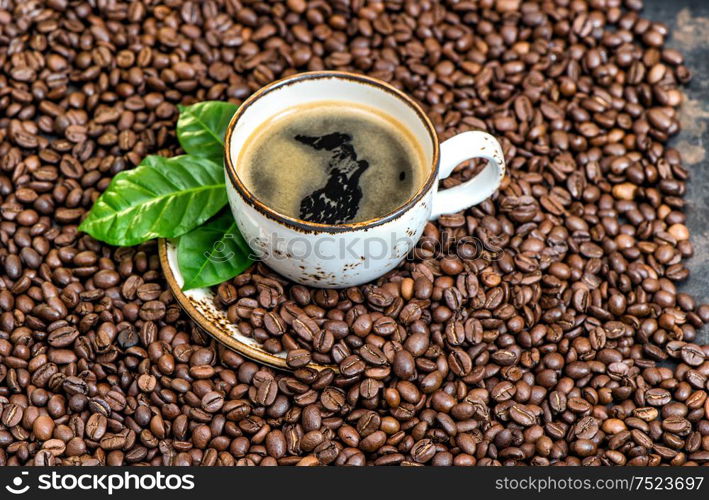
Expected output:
(335, 256)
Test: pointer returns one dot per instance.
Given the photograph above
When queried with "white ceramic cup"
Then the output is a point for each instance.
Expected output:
(343, 255)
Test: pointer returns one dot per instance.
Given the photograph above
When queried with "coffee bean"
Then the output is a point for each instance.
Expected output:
(96, 426)
(298, 358)
(352, 366)
(522, 415)
(305, 327)
(12, 415)
(423, 451)
(404, 365)
(152, 311)
(43, 427)
(266, 392)
(459, 362)
(212, 402)
(333, 399)
(378, 297)
(657, 397)
(692, 354)
(504, 391)
(372, 355)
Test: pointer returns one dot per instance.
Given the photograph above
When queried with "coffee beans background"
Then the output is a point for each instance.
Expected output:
(571, 346)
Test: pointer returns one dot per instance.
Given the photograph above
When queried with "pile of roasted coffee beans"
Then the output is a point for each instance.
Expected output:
(568, 344)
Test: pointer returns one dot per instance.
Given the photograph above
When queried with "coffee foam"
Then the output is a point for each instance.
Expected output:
(281, 171)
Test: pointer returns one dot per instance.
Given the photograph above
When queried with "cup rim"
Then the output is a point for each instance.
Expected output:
(306, 226)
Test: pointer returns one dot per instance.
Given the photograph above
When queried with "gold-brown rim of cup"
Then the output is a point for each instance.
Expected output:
(304, 225)
(213, 330)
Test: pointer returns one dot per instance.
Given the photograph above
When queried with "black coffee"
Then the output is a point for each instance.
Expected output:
(332, 163)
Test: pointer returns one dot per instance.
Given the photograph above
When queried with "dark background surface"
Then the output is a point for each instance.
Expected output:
(689, 27)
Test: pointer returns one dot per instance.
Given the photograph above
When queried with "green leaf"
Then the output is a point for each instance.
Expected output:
(162, 197)
(212, 253)
(201, 128)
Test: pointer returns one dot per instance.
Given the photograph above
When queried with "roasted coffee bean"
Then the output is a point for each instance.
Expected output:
(459, 362)
(352, 366)
(43, 427)
(12, 415)
(692, 354)
(212, 402)
(333, 399)
(298, 358)
(522, 415)
(372, 355)
(423, 451)
(96, 426)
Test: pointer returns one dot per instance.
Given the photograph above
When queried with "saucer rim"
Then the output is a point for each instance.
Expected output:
(210, 327)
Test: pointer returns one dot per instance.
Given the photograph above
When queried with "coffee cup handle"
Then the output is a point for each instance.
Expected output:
(457, 149)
